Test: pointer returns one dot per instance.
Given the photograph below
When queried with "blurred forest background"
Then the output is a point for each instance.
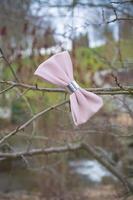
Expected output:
(42, 154)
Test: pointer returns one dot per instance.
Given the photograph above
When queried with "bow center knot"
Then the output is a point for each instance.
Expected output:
(72, 86)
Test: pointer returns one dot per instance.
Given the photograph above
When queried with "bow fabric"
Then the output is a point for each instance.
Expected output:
(58, 70)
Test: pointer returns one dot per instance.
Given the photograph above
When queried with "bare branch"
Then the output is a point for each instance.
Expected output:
(107, 165)
(100, 91)
(23, 126)
(9, 65)
(73, 147)
(119, 19)
(7, 89)
(121, 2)
(43, 151)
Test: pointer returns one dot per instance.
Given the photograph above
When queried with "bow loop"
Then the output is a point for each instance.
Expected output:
(58, 70)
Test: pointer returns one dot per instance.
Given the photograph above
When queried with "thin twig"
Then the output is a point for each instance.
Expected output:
(100, 91)
(23, 126)
(7, 89)
(9, 65)
(34, 152)
(19, 90)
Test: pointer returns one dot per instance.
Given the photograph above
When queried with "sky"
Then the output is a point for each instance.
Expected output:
(80, 20)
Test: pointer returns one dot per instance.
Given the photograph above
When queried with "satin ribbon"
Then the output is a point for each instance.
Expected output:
(58, 70)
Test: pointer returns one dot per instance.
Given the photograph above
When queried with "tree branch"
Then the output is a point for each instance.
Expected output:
(72, 147)
(100, 91)
(23, 126)
(108, 166)
(42, 151)
(9, 65)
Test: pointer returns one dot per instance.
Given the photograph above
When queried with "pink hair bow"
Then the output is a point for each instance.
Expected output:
(58, 70)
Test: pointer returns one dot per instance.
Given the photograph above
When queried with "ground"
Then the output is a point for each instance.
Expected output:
(98, 193)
